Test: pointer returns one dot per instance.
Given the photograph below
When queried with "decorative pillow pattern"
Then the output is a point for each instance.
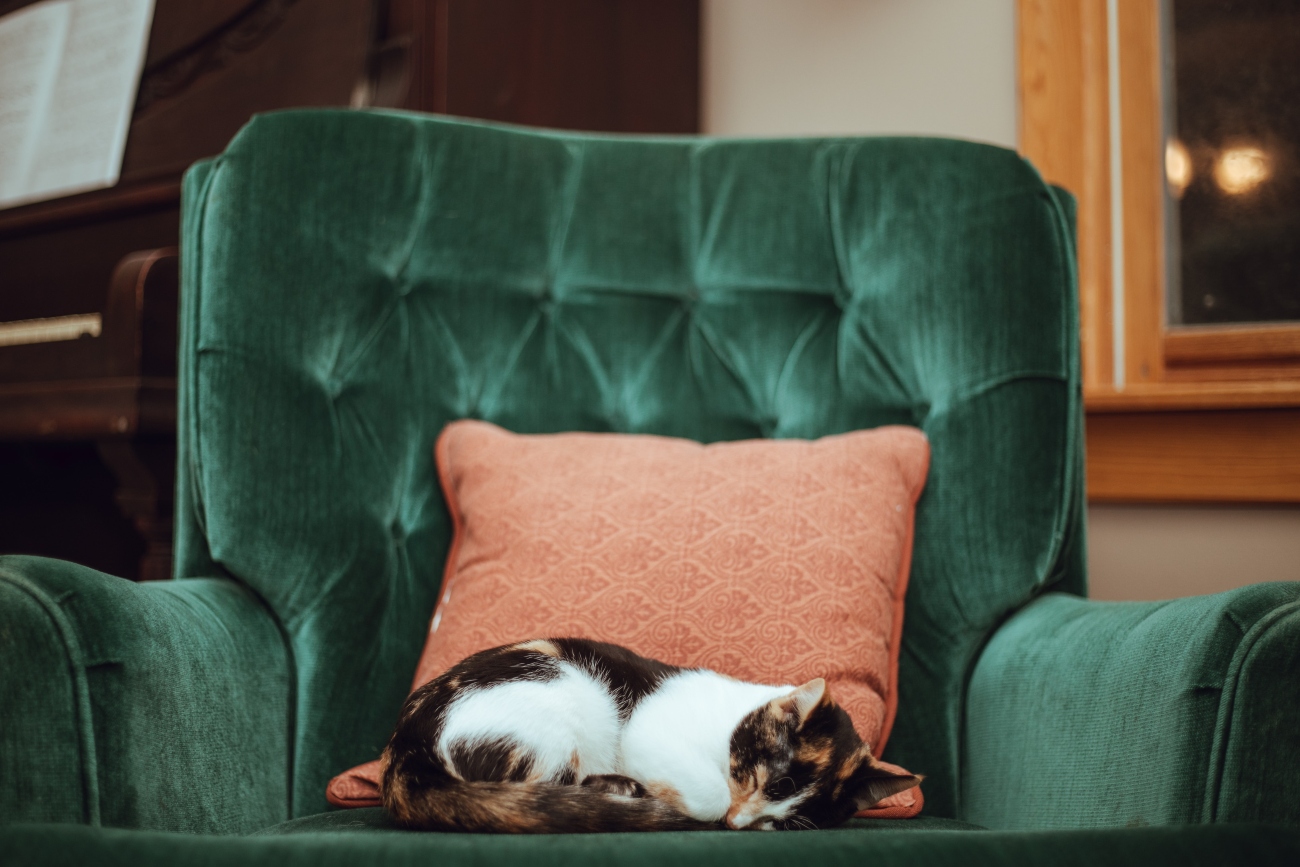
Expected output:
(774, 561)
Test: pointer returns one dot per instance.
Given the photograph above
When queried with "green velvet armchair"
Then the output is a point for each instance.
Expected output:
(354, 280)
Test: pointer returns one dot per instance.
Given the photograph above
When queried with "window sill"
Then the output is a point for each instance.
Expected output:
(1194, 443)
(1183, 396)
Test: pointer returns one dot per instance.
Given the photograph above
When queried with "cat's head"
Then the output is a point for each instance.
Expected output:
(797, 763)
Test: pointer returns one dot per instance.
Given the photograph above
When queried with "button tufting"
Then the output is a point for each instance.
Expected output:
(617, 421)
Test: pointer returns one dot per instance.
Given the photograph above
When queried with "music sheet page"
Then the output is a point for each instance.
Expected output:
(75, 136)
(31, 44)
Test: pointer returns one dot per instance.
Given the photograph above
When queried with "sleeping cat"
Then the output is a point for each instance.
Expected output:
(568, 735)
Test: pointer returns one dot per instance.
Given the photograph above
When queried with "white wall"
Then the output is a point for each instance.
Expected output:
(947, 67)
(806, 67)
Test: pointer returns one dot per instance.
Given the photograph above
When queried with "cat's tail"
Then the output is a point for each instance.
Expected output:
(448, 804)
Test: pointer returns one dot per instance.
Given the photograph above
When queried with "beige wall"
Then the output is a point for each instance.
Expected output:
(947, 67)
(805, 67)
(1159, 552)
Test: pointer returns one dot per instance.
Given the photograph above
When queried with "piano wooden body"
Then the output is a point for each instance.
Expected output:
(88, 283)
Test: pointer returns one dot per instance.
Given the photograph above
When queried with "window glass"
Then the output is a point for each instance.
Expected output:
(1232, 160)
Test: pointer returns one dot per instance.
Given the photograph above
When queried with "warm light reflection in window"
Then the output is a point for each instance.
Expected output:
(1241, 169)
(1178, 167)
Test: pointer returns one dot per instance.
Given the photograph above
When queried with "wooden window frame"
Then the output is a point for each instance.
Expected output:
(1182, 414)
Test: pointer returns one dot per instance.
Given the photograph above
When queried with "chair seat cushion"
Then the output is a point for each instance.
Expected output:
(355, 838)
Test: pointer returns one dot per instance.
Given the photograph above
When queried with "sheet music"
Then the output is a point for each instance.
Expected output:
(78, 132)
(31, 43)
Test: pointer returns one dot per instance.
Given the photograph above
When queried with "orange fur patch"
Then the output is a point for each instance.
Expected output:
(540, 645)
(667, 794)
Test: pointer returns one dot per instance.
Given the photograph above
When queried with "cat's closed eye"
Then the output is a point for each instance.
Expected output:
(780, 789)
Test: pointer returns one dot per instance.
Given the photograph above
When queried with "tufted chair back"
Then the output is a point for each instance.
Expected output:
(355, 280)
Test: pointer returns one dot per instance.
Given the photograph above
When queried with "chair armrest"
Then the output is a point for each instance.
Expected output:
(1085, 714)
(163, 705)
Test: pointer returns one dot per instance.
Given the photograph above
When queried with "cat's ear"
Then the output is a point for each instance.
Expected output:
(875, 783)
(801, 702)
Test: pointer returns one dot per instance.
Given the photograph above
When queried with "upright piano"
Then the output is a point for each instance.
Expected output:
(88, 283)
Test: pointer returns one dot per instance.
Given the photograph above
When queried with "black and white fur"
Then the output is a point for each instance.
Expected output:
(570, 735)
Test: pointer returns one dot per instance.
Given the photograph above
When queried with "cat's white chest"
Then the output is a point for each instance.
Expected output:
(680, 736)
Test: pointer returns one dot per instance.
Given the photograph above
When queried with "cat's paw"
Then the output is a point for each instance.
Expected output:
(615, 784)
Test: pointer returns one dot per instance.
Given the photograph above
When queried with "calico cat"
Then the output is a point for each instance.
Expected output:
(567, 735)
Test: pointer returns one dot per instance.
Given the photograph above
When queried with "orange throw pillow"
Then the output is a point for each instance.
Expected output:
(773, 561)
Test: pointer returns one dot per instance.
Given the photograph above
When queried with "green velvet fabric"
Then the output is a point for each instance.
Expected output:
(162, 705)
(355, 280)
(1085, 714)
(1208, 845)
(373, 820)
